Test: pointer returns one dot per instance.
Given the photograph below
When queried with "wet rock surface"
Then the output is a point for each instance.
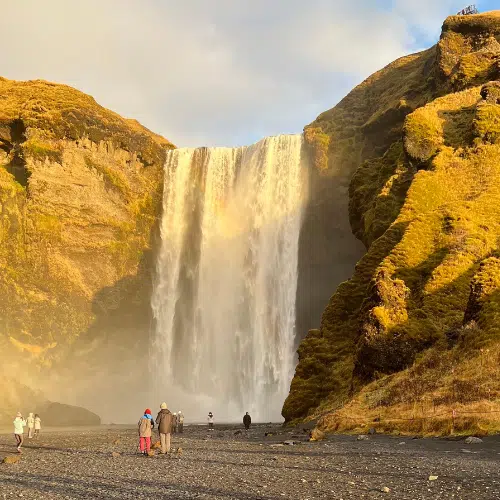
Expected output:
(103, 463)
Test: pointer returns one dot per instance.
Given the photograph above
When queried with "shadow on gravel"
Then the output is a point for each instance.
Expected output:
(383, 472)
(71, 451)
(93, 488)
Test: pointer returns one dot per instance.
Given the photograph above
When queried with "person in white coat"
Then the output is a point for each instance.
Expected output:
(38, 424)
(19, 425)
(30, 422)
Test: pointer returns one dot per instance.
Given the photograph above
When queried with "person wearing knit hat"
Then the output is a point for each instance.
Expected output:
(164, 420)
(145, 425)
(19, 424)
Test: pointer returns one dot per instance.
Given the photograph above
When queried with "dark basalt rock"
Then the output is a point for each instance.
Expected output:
(62, 415)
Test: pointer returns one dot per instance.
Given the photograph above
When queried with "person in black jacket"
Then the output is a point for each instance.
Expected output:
(247, 420)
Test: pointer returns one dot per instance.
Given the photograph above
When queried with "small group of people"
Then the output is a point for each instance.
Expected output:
(167, 423)
(178, 424)
(34, 424)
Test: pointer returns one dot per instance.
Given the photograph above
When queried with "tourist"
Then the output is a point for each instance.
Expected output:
(180, 418)
(165, 421)
(19, 424)
(247, 420)
(30, 421)
(38, 424)
(145, 425)
(174, 423)
(210, 421)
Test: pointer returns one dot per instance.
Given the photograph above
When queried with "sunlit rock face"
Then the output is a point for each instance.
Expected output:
(80, 192)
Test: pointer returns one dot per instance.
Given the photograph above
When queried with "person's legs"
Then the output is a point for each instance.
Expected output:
(163, 442)
(181, 428)
(30, 432)
(21, 440)
(142, 444)
(167, 442)
(148, 444)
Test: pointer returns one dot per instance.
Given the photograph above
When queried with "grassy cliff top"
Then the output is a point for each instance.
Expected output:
(64, 112)
(477, 23)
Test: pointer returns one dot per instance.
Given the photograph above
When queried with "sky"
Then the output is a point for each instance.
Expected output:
(215, 72)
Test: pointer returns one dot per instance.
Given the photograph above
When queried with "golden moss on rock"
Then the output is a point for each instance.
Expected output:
(424, 201)
(80, 193)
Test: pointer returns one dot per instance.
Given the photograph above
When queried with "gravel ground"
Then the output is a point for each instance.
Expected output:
(80, 464)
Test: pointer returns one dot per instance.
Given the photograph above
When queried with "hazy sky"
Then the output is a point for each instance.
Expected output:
(215, 72)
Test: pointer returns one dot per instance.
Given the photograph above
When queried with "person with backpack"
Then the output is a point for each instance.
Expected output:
(165, 421)
(19, 424)
(145, 425)
(247, 420)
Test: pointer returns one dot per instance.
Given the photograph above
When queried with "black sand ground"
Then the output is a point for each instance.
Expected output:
(222, 465)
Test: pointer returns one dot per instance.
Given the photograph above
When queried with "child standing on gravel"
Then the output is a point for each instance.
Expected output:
(19, 424)
(38, 425)
(30, 421)
(146, 424)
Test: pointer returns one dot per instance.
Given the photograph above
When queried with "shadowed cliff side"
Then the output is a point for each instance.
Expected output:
(423, 200)
(80, 192)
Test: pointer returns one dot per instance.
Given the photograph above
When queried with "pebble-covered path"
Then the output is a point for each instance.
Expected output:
(104, 464)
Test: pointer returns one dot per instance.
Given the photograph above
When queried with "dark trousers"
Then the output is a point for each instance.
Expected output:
(19, 440)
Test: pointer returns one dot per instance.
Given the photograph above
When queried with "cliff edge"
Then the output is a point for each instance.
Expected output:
(411, 341)
(80, 193)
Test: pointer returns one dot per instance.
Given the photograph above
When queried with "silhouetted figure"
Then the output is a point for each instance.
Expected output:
(175, 424)
(210, 420)
(180, 418)
(247, 420)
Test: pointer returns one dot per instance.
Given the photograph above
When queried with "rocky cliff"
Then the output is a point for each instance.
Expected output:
(414, 332)
(80, 192)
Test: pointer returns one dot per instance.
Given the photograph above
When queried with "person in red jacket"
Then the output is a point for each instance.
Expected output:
(146, 425)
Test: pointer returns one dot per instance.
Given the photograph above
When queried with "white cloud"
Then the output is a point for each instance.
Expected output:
(220, 72)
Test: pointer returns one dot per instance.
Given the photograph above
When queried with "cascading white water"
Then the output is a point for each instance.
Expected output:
(224, 298)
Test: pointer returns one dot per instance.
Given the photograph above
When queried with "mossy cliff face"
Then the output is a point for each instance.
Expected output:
(80, 191)
(422, 306)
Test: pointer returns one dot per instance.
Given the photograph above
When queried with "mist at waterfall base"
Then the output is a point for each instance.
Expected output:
(226, 279)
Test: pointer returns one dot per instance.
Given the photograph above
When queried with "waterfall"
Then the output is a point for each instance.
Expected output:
(226, 278)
